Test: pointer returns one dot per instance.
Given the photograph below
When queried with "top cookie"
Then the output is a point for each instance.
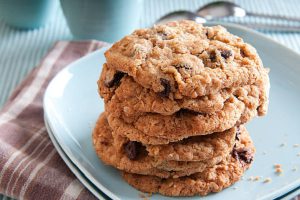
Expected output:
(185, 59)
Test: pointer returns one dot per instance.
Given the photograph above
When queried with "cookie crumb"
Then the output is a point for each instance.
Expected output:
(242, 178)
(278, 171)
(298, 154)
(267, 180)
(277, 165)
(264, 153)
(296, 145)
(143, 196)
(251, 178)
(283, 144)
(234, 188)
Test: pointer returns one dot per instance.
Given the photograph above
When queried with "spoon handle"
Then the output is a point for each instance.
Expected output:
(278, 17)
(271, 27)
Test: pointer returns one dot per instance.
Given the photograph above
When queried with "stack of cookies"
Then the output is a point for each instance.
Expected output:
(177, 97)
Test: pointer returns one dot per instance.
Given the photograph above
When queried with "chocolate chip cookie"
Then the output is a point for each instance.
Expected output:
(153, 128)
(197, 148)
(130, 106)
(135, 157)
(185, 59)
(129, 99)
(212, 179)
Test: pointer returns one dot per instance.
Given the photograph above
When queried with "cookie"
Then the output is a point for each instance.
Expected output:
(185, 59)
(134, 98)
(133, 157)
(154, 128)
(212, 179)
(129, 106)
(130, 99)
(197, 148)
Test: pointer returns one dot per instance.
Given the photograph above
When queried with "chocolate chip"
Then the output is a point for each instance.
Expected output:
(183, 65)
(132, 149)
(212, 56)
(184, 111)
(237, 134)
(116, 80)
(226, 53)
(242, 52)
(206, 33)
(243, 154)
(163, 36)
(167, 87)
(105, 143)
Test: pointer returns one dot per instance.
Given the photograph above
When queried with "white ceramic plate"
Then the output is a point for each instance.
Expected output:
(72, 105)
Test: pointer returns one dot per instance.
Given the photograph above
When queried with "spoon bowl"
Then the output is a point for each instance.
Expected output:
(220, 9)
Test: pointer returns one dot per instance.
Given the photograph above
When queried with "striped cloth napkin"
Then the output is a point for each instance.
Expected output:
(30, 167)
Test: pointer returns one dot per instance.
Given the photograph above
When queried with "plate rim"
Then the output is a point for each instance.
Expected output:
(65, 148)
(73, 168)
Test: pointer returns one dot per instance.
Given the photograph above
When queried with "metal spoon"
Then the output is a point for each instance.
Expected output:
(219, 12)
(219, 9)
(180, 15)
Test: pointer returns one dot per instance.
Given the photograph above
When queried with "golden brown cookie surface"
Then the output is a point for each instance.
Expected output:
(186, 59)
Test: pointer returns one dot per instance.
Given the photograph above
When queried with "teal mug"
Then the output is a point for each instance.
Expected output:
(27, 14)
(106, 20)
